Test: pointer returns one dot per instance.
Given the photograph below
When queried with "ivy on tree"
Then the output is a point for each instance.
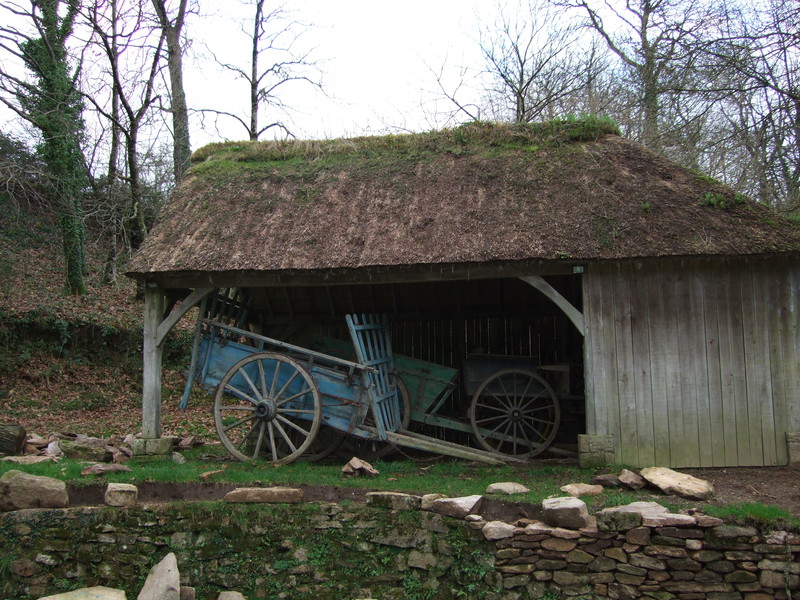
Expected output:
(53, 104)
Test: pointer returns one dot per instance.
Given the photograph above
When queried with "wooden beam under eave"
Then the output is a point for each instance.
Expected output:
(357, 276)
(572, 313)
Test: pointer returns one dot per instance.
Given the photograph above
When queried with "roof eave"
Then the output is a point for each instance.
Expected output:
(355, 276)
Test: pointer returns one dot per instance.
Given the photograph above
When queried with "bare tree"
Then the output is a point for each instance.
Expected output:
(274, 62)
(535, 67)
(659, 43)
(172, 27)
(528, 58)
(22, 174)
(133, 62)
(761, 53)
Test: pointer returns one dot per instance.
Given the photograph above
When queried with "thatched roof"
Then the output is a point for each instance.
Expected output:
(481, 193)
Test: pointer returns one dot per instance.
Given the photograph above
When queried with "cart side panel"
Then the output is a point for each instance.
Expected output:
(218, 356)
(343, 400)
(428, 384)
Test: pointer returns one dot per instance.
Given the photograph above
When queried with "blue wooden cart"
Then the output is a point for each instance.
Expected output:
(271, 398)
(280, 402)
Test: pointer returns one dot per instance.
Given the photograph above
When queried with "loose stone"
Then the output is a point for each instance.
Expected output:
(577, 490)
(456, 507)
(570, 513)
(506, 487)
(121, 494)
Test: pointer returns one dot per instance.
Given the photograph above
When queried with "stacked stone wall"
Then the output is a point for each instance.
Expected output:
(705, 561)
(329, 551)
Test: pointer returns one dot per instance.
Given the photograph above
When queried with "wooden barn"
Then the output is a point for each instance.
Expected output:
(661, 307)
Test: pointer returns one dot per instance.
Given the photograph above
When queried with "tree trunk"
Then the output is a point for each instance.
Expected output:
(12, 438)
(137, 224)
(254, 71)
(181, 149)
(110, 271)
(72, 237)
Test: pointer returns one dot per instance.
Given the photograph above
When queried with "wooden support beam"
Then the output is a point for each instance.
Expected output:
(156, 327)
(572, 313)
(152, 353)
(175, 315)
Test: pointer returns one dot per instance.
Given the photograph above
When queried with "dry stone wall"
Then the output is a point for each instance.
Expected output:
(296, 551)
(691, 562)
(394, 547)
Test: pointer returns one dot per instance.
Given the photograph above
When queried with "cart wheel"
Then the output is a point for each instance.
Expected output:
(370, 450)
(267, 407)
(326, 442)
(515, 412)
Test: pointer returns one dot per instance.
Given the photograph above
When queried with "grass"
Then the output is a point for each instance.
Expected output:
(718, 200)
(468, 139)
(452, 478)
(755, 513)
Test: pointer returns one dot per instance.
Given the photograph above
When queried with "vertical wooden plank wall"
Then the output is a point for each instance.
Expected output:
(694, 362)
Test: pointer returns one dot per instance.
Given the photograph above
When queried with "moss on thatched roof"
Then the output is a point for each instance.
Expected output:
(568, 189)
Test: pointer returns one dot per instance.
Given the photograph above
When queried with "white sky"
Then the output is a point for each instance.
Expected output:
(376, 59)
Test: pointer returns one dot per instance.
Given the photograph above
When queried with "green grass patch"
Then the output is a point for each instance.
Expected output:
(755, 513)
(706, 178)
(306, 156)
(718, 200)
(450, 477)
(453, 478)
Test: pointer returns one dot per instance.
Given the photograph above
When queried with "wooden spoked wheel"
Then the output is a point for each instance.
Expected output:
(515, 412)
(267, 407)
(370, 450)
(326, 442)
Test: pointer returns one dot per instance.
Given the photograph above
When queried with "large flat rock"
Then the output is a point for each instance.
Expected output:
(92, 593)
(20, 490)
(680, 484)
(270, 495)
(651, 514)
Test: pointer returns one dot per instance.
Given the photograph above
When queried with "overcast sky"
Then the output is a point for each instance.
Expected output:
(376, 59)
(378, 62)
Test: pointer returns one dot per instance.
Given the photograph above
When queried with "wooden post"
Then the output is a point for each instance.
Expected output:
(151, 356)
